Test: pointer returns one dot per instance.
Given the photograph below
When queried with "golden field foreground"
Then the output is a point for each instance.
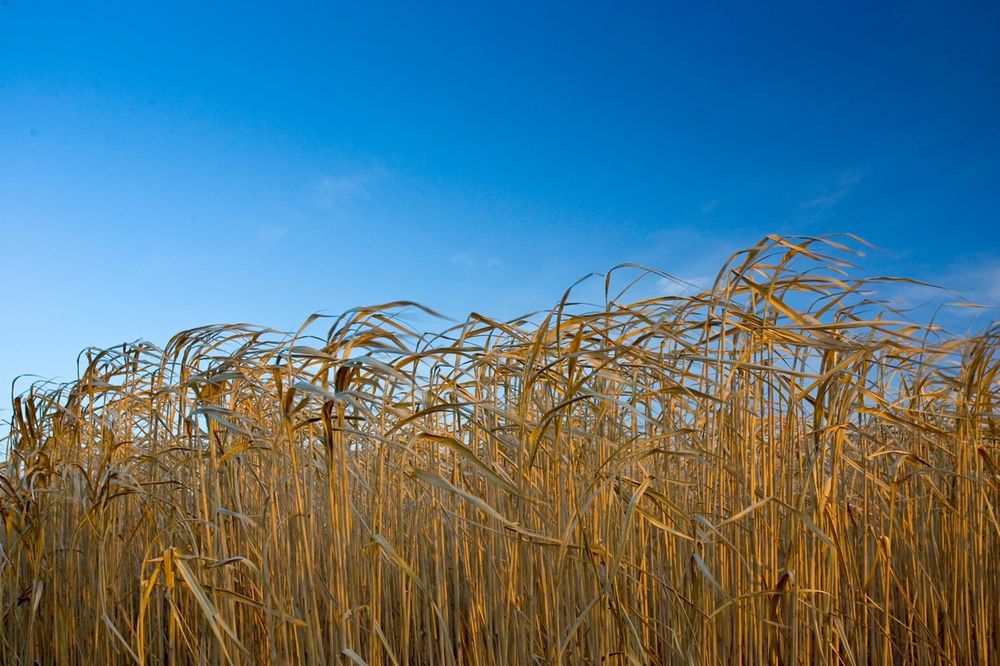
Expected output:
(777, 470)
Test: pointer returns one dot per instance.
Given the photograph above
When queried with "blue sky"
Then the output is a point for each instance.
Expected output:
(164, 166)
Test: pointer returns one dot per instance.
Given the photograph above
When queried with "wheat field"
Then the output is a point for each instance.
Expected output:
(779, 469)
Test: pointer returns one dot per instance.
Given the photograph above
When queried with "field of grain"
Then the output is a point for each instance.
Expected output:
(779, 469)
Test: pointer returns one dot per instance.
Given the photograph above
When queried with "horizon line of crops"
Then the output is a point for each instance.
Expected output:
(778, 469)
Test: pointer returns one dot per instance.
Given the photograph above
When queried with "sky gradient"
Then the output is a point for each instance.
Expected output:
(170, 166)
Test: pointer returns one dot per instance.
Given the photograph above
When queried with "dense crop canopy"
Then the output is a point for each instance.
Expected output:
(775, 469)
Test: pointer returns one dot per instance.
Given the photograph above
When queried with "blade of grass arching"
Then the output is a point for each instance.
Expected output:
(706, 572)
(385, 642)
(121, 639)
(479, 503)
(147, 593)
(427, 411)
(474, 460)
(217, 624)
(243, 599)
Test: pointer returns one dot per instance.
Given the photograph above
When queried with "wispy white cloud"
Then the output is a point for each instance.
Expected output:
(977, 280)
(334, 191)
(473, 263)
(833, 195)
(971, 282)
(683, 286)
(992, 290)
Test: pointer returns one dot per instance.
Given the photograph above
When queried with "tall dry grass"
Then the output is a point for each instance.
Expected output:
(773, 471)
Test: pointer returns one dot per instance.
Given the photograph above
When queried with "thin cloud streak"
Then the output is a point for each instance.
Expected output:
(847, 181)
(472, 263)
(333, 192)
(682, 286)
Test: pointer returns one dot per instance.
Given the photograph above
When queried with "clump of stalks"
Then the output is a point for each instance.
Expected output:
(776, 470)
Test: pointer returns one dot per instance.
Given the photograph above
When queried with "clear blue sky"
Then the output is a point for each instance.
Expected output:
(177, 164)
